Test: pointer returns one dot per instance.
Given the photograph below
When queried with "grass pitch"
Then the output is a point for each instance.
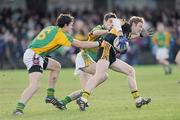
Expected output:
(110, 101)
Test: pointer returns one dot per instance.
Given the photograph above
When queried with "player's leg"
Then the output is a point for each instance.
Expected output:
(34, 65)
(91, 69)
(99, 77)
(106, 56)
(85, 66)
(34, 85)
(88, 72)
(177, 59)
(123, 67)
(54, 67)
(83, 77)
(166, 66)
(162, 56)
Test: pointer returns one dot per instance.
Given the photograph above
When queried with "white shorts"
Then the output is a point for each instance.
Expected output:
(82, 60)
(30, 59)
(162, 53)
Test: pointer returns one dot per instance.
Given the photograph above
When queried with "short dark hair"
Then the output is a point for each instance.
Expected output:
(64, 19)
(109, 15)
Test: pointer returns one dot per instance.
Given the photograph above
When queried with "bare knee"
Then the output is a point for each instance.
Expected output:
(131, 71)
(57, 67)
(102, 76)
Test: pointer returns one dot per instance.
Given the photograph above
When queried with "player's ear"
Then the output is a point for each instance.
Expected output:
(65, 25)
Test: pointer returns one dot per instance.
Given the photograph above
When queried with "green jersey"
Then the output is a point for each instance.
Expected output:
(92, 52)
(50, 39)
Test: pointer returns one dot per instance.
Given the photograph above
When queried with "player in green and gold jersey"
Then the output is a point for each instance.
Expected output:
(121, 32)
(47, 41)
(86, 58)
(161, 41)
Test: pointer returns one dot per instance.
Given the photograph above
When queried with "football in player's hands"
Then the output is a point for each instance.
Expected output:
(121, 44)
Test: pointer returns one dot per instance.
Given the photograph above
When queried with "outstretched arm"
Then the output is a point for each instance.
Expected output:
(144, 33)
(99, 32)
(85, 44)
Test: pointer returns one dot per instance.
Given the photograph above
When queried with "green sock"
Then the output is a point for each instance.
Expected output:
(20, 106)
(50, 92)
(67, 100)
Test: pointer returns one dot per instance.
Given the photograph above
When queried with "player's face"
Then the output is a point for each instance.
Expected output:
(69, 28)
(137, 28)
(108, 23)
(160, 27)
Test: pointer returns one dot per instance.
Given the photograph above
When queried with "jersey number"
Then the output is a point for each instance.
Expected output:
(42, 35)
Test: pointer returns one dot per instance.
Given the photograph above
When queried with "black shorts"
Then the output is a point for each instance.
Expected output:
(106, 51)
(38, 68)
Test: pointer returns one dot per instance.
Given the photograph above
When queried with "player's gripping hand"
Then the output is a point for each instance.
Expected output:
(123, 44)
(100, 41)
(148, 32)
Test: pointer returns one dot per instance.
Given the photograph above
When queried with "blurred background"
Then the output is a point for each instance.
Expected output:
(22, 20)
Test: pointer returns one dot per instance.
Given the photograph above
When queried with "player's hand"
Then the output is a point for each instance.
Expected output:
(123, 41)
(148, 32)
(100, 41)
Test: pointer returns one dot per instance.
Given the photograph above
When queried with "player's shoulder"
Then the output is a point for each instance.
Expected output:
(98, 27)
(51, 27)
(167, 33)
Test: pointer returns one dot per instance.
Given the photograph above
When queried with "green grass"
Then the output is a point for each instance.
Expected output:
(111, 101)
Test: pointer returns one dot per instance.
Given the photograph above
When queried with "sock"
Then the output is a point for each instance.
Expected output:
(167, 69)
(85, 94)
(135, 94)
(67, 100)
(50, 92)
(20, 106)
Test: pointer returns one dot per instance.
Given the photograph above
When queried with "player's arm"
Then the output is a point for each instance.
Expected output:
(144, 33)
(116, 28)
(85, 44)
(67, 40)
(99, 32)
